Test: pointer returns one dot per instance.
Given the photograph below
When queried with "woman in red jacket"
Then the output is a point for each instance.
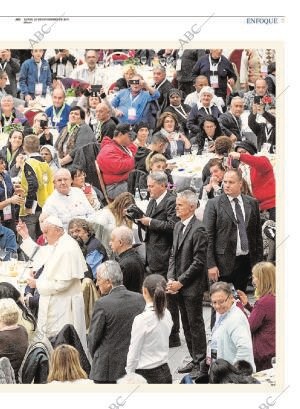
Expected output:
(259, 174)
(262, 317)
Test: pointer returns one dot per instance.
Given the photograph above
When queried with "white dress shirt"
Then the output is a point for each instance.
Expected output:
(239, 251)
(186, 222)
(149, 345)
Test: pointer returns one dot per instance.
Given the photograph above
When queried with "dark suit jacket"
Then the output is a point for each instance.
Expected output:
(159, 235)
(133, 270)
(221, 227)
(188, 258)
(229, 125)
(110, 332)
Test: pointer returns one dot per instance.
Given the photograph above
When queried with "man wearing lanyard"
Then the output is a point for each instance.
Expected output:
(130, 104)
(35, 76)
(219, 71)
(11, 66)
(58, 113)
(230, 122)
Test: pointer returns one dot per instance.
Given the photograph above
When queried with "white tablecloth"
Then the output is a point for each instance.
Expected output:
(187, 168)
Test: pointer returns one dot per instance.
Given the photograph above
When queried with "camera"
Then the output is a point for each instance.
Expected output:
(43, 123)
(234, 292)
(96, 88)
(133, 212)
(257, 99)
(133, 82)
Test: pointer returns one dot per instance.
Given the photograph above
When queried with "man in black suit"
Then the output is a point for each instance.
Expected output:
(110, 329)
(188, 278)
(232, 221)
(159, 221)
(230, 122)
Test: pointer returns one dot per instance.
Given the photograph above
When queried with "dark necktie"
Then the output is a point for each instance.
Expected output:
(241, 225)
(154, 206)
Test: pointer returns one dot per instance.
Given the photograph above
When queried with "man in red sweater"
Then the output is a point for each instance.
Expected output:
(261, 179)
(116, 160)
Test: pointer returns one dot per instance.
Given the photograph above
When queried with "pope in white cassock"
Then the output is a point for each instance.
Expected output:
(61, 299)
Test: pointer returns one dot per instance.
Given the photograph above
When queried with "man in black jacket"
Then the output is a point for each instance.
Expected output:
(232, 221)
(187, 277)
(218, 69)
(110, 329)
(230, 122)
(159, 223)
(130, 261)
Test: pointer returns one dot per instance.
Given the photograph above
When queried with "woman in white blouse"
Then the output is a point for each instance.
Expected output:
(149, 345)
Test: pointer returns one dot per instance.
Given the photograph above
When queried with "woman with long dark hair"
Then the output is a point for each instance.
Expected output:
(149, 345)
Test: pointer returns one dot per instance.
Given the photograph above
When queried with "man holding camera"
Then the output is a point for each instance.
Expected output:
(159, 222)
(257, 95)
(131, 104)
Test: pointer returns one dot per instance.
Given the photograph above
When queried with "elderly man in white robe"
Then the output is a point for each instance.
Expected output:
(61, 299)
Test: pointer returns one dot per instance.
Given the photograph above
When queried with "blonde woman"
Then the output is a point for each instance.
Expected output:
(13, 337)
(262, 317)
(65, 366)
(112, 216)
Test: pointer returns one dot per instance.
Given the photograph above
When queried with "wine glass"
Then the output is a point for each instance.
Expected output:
(143, 193)
(3, 253)
(194, 149)
(196, 184)
(273, 362)
(162, 61)
(170, 61)
(143, 60)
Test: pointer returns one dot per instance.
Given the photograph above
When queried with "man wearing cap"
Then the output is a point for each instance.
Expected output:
(116, 160)
(259, 174)
(131, 104)
(59, 285)
(178, 108)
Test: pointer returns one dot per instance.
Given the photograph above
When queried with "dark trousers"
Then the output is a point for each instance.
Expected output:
(239, 278)
(32, 223)
(161, 374)
(172, 302)
(193, 325)
(240, 274)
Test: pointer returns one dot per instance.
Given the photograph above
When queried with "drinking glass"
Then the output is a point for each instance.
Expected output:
(3, 253)
(273, 362)
(143, 193)
(194, 149)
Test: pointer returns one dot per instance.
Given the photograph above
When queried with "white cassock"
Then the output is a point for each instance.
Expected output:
(61, 299)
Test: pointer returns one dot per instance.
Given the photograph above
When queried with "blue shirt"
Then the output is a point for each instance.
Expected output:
(8, 241)
(64, 116)
(125, 100)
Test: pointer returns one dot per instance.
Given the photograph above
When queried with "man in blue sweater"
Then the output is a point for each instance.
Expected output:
(35, 76)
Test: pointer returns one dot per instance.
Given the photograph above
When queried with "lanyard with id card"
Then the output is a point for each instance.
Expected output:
(7, 213)
(214, 78)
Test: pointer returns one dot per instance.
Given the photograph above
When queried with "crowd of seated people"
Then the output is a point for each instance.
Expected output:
(77, 149)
